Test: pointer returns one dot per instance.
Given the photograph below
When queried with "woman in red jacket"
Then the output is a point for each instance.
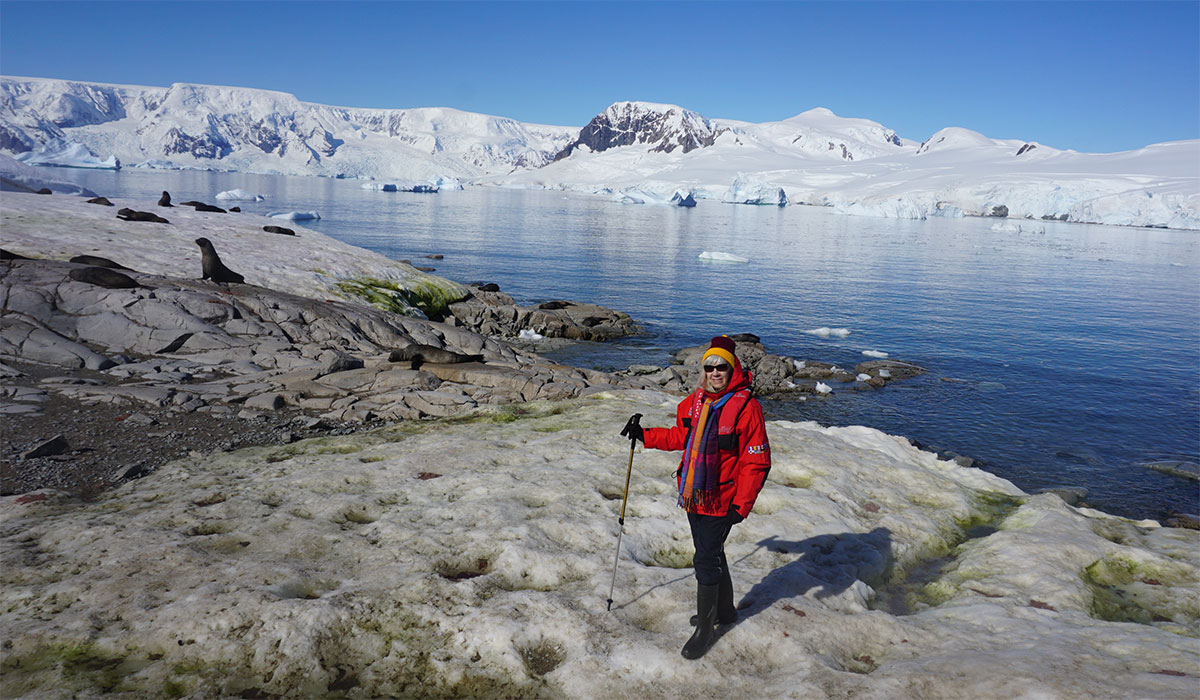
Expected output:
(726, 458)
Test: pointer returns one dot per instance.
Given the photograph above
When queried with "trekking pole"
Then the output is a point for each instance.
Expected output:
(624, 499)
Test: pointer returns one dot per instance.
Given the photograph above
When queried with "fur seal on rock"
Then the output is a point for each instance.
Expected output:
(97, 261)
(165, 199)
(279, 229)
(128, 214)
(212, 266)
(103, 277)
(237, 209)
(418, 354)
(100, 200)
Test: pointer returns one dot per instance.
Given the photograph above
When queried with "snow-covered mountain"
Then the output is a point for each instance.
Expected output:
(249, 130)
(633, 151)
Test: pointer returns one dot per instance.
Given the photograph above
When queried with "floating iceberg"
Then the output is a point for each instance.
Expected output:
(863, 377)
(295, 215)
(240, 195)
(825, 332)
(681, 199)
(874, 353)
(68, 154)
(723, 257)
(446, 182)
(823, 388)
(379, 186)
(747, 190)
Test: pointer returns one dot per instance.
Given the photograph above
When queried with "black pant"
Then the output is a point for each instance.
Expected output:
(708, 536)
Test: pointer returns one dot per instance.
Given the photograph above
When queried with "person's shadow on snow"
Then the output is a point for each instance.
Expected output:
(830, 563)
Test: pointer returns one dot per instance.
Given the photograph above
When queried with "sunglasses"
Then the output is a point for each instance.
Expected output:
(716, 368)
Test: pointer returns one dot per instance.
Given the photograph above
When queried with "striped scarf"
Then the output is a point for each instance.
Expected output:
(700, 475)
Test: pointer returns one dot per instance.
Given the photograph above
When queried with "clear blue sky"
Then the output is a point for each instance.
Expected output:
(1093, 76)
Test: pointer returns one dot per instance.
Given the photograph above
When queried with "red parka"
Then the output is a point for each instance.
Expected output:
(744, 463)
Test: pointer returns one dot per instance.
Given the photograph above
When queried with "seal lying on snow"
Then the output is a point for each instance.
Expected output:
(212, 266)
(419, 354)
(128, 214)
(165, 199)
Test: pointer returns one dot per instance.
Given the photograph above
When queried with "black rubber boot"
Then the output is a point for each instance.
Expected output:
(727, 614)
(706, 618)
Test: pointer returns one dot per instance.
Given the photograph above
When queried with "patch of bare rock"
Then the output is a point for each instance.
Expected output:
(491, 312)
(131, 377)
(775, 376)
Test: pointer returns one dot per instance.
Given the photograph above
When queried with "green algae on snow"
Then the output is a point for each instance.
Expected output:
(431, 295)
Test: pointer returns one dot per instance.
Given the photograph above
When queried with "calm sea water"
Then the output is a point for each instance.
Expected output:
(1065, 356)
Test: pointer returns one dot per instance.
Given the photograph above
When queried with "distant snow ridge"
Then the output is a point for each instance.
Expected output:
(249, 130)
(643, 149)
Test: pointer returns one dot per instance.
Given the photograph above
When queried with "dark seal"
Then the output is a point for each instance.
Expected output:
(128, 214)
(279, 229)
(103, 277)
(212, 266)
(103, 201)
(165, 199)
(97, 261)
(419, 354)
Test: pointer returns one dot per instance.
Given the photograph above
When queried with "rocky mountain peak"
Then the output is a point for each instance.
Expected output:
(662, 127)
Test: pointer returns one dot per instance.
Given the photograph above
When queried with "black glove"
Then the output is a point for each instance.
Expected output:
(734, 515)
(633, 429)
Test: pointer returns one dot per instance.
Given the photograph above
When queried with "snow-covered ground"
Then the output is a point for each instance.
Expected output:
(636, 152)
(473, 559)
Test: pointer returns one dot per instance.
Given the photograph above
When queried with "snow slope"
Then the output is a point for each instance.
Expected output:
(241, 129)
(473, 558)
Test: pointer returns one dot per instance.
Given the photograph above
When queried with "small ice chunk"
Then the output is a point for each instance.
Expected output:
(825, 332)
(863, 377)
(885, 374)
(240, 195)
(799, 364)
(874, 353)
(295, 215)
(722, 257)
(823, 388)
(527, 334)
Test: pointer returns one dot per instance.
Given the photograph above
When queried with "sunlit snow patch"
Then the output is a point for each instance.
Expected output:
(722, 257)
(825, 332)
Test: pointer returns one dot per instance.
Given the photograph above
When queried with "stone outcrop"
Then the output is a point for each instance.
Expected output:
(775, 376)
(491, 312)
(188, 345)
